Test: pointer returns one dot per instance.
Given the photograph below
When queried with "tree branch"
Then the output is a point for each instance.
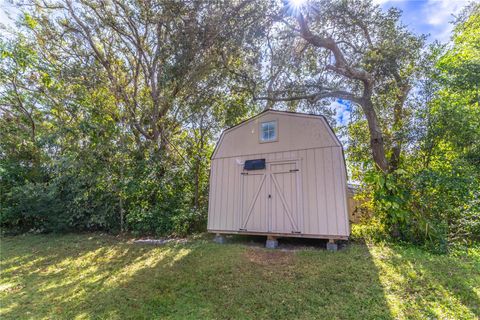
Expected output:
(341, 65)
(314, 97)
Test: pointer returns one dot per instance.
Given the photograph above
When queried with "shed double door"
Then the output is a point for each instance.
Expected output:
(270, 199)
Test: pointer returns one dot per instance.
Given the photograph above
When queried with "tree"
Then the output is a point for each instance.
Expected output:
(152, 53)
(116, 104)
(434, 199)
(354, 51)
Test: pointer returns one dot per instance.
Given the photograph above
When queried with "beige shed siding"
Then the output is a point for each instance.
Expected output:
(321, 190)
(244, 139)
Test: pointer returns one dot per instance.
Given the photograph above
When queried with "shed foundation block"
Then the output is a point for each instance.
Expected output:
(332, 246)
(219, 238)
(272, 243)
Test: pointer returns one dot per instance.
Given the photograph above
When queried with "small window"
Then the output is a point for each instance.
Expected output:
(268, 131)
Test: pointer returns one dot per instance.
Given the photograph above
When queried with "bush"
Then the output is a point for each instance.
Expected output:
(57, 206)
(189, 221)
(436, 209)
(32, 207)
(372, 230)
(153, 221)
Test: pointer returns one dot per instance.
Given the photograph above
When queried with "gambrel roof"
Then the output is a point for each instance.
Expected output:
(296, 131)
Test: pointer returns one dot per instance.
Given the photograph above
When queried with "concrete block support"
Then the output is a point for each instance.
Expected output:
(332, 246)
(219, 238)
(272, 243)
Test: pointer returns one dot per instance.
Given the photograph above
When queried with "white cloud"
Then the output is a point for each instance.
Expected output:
(7, 13)
(440, 14)
(432, 17)
(342, 111)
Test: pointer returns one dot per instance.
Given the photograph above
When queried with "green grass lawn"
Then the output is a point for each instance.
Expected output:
(98, 276)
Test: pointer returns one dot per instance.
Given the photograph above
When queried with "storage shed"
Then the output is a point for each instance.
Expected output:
(279, 174)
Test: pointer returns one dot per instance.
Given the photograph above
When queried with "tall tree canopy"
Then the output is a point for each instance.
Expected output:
(152, 54)
(349, 50)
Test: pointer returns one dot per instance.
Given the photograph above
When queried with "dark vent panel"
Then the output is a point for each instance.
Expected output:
(256, 164)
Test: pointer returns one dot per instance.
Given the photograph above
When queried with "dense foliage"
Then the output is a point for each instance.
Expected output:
(434, 198)
(110, 110)
(109, 124)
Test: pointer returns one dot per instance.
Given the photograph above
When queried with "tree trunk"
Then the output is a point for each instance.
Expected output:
(397, 127)
(376, 136)
(197, 185)
(122, 215)
(342, 68)
(198, 168)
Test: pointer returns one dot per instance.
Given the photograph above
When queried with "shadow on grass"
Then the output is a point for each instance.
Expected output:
(81, 276)
(88, 274)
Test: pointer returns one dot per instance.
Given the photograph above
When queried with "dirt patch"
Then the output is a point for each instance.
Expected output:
(268, 257)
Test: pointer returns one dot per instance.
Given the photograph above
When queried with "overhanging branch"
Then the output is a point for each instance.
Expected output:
(314, 97)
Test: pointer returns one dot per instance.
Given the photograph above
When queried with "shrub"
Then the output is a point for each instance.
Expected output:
(436, 209)
(32, 207)
(372, 230)
(189, 221)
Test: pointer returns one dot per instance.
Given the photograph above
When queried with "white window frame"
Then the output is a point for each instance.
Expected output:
(275, 131)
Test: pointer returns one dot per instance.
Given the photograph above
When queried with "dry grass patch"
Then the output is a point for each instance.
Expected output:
(264, 257)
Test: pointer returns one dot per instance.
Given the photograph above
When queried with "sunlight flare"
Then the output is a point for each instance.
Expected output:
(294, 6)
(296, 3)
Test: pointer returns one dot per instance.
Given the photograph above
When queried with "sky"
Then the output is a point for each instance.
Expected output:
(428, 16)
(6, 9)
